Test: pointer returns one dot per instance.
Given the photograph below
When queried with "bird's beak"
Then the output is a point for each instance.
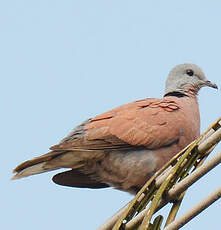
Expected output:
(210, 84)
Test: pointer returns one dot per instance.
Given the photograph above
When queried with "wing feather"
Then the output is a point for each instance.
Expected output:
(147, 122)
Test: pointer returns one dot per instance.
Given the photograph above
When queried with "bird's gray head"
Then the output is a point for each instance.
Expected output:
(186, 79)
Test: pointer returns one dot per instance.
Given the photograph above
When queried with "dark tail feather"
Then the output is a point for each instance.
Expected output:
(75, 178)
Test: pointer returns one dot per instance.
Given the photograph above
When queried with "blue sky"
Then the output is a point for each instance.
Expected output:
(65, 61)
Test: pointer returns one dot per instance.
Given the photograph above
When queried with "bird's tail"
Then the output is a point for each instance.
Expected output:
(37, 165)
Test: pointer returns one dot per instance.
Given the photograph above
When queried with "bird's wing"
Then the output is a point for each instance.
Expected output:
(152, 123)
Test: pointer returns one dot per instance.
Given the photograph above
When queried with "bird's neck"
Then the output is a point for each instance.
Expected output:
(175, 94)
(188, 104)
(186, 92)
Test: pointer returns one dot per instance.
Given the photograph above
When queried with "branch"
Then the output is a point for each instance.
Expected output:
(179, 188)
(208, 140)
(196, 210)
(195, 175)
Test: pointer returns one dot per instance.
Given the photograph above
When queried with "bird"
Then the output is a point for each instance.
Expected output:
(124, 147)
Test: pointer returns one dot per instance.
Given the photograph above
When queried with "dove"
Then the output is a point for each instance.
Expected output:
(124, 147)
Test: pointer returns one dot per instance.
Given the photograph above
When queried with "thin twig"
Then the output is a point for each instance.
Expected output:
(111, 221)
(174, 209)
(194, 176)
(196, 210)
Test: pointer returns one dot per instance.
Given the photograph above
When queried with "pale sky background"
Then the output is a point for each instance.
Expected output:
(65, 61)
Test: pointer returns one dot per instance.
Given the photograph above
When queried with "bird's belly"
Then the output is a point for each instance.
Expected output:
(127, 170)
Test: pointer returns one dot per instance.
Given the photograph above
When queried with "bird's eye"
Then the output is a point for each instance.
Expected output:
(189, 72)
